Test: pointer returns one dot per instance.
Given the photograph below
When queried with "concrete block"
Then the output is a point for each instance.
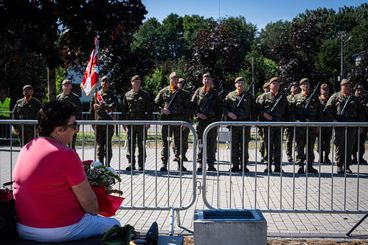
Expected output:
(229, 226)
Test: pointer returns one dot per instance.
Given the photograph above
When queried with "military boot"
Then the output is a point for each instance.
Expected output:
(181, 167)
(130, 167)
(211, 167)
(163, 167)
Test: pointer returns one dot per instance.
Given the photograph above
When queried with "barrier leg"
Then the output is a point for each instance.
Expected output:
(356, 225)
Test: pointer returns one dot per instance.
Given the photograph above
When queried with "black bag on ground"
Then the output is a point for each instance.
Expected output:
(8, 230)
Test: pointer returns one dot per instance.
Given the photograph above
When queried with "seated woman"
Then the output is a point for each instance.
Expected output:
(53, 199)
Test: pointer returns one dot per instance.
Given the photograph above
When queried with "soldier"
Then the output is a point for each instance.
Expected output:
(102, 106)
(266, 88)
(344, 107)
(306, 108)
(137, 106)
(174, 106)
(362, 131)
(289, 132)
(326, 132)
(5, 103)
(26, 108)
(186, 130)
(240, 105)
(69, 96)
(273, 106)
(207, 107)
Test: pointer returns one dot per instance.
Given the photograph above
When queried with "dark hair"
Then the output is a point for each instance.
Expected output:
(54, 114)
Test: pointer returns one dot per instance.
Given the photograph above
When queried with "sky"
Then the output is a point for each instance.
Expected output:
(258, 12)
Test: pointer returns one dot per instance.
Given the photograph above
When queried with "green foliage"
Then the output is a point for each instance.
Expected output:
(156, 81)
(60, 76)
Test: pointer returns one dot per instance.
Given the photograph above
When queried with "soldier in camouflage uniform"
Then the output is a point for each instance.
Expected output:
(26, 109)
(102, 106)
(359, 147)
(289, 132)
(207, 109)
(69, 96)
(266, 88)
(185, 131)
(137, 105)
(265, 103)
(174, 106)
(343, 106)
(326, 132)
(313, 113)
(240, 105)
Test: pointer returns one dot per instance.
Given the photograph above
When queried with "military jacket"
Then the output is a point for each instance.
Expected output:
(364, 102)
(109, 105)
(208, 103)
(246, 111)
(299, 112)
(137, 105)
(176, 102)
(323, 103)
(291, 98)
(24, 110)
(335, 105)
(74, 100)
(265, 103)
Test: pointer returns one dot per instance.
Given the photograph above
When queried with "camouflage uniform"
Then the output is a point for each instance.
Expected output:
(24, 110)
(180, 111)
(240, 136)
(289, 132)
(312, 114)
(265, 102)
(362, 134)
(208, 104)
(75, 101)
(137, 106)
(334, 109)
(261, 137)
(104, 147)
(326, 135)
(185, 136)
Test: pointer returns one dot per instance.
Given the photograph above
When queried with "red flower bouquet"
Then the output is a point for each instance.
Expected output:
(102, 179)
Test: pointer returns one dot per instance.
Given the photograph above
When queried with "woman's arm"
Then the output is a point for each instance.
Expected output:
(86, 197)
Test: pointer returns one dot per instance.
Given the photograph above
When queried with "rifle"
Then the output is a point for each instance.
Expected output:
(173, 96)
(281, 96)
(345, 107)
(306, 106)
(246, 92)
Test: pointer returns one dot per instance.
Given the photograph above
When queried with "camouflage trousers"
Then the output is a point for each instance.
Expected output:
(359, 147)
(325, 142)
(211, 142)
(104, 143)
(26, 134)
(341, 142)
(167, 132)
(136, 136)
(272, 140)
(289, 132)
(240, 137)
(184, 143)
(304, 151)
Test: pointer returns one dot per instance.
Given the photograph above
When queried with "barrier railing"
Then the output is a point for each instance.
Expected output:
(285, 190)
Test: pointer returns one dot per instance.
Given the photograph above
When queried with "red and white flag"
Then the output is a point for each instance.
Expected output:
(90, 77)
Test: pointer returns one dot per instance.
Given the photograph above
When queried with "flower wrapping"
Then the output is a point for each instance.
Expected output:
(107, 204)
(102, 179)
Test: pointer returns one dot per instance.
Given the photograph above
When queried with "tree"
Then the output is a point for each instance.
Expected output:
(62, 31)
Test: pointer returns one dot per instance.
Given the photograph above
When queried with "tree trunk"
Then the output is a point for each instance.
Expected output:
(51, 83)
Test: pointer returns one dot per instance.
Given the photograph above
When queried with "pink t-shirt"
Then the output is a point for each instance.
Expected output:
(43, 176)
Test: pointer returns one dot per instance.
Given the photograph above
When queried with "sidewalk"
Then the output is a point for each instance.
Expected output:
(285, 193)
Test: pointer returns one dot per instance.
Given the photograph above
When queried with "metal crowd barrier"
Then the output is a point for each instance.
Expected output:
(147, 189)
(284, 191)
